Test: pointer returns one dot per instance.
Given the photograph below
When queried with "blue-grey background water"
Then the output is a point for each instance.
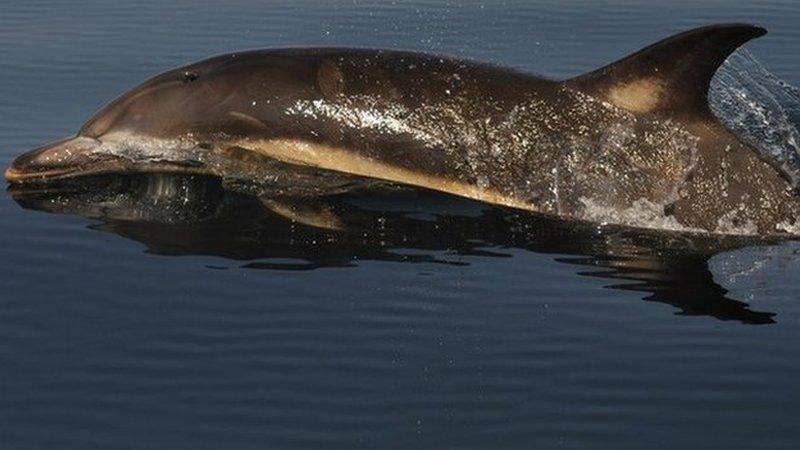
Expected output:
(190, 318)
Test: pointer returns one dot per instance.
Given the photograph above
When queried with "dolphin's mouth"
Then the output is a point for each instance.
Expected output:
(81, 156)
(23, 192)
(15, 176)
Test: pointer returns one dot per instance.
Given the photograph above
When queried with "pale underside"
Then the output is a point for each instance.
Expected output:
(343, 160)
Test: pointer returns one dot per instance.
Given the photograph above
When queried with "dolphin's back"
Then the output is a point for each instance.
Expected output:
(458, 126)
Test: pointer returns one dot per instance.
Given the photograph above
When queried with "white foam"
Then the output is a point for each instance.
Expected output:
(642, 214)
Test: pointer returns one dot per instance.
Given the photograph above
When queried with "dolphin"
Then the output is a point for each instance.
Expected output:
(634, 138)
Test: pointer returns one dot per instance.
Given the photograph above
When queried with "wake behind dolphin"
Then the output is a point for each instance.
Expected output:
(637, 135)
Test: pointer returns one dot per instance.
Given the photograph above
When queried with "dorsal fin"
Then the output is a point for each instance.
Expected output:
(670, 77)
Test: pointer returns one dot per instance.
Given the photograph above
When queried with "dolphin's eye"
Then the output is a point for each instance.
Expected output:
(189, 76)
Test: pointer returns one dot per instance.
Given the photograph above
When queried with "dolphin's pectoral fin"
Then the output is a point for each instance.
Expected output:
(312, 212)
(671, 76)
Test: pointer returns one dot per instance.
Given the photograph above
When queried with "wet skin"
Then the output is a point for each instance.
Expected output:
(322, 121)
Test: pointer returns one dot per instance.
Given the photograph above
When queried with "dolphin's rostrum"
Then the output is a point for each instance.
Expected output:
(635, 136)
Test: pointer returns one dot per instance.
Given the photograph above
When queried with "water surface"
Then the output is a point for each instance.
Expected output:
(166, 313)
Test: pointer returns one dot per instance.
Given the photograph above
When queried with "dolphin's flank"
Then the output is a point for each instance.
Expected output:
(636, 135)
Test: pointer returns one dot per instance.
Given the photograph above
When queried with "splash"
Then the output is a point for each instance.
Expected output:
(137, 148)
(642, 214)
(761, 108)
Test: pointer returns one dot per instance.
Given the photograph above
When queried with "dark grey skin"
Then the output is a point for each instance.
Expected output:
(634, 137)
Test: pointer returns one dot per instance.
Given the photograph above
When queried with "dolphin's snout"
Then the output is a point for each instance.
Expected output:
(54, 160)
(27, 163)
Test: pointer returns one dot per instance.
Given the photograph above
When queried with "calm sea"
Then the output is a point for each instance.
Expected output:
(165, 313)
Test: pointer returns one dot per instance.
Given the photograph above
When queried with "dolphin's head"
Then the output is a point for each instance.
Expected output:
(170, 123)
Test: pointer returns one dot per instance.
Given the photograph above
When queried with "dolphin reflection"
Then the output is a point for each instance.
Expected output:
(195, 215)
